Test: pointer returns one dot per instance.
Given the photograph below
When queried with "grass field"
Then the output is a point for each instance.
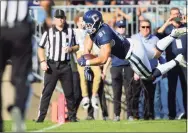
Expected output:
(106, 126)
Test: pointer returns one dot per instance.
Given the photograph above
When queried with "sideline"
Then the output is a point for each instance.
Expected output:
(48, 128)
(126, 123)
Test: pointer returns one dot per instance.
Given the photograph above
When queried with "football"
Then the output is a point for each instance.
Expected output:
(89, 56)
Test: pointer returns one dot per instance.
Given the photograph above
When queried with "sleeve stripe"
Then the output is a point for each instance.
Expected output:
(43, 40)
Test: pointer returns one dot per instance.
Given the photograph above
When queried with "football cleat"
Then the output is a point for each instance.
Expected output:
(180, 59)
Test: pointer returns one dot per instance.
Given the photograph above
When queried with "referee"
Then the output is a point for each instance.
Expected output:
(15, 44)
(59, 43)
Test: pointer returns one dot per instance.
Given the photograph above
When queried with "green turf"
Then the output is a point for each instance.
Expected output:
(108, 126)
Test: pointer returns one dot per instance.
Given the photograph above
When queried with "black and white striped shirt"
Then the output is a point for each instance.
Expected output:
(54, 40)
(13, 11)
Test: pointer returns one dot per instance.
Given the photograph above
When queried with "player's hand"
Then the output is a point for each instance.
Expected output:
(82, 61)
(44, 66)
(88, 73)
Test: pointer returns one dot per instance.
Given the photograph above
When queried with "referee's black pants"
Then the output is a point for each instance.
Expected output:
(15, 44)
(57, 71)
(77, 90)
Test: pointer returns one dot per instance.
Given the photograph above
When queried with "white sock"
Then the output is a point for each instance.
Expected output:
(164, 43)
(164, 68)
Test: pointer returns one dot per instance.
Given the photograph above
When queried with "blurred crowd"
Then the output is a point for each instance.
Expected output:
(165, 99)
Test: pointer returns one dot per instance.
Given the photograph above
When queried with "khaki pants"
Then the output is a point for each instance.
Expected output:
(83, 82)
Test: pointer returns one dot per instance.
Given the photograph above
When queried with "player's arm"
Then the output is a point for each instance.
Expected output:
(105, 52)
(88, 44)
(105, 68)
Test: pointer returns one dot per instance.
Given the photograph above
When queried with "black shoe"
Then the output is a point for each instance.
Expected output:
(90, 118)
(73, 120)
(105, 118)
(39, 121)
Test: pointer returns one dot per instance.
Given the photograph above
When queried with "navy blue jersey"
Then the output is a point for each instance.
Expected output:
(120, 45)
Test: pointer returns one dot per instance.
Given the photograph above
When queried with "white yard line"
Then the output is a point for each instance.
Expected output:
(126, 123)
(49, 128)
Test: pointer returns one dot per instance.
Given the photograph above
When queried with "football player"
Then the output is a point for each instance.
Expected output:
(110, 43)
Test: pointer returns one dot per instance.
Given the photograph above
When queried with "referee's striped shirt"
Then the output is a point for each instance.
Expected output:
(13, 11)
(54, 40)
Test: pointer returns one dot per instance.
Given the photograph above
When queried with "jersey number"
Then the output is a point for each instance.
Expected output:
(101, 33)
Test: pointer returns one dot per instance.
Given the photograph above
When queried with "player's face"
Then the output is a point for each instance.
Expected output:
(89, 28)
(59, 22)
(145, 29)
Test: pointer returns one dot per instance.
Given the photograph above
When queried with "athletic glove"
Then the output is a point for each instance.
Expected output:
(82, 61)
(88, 73)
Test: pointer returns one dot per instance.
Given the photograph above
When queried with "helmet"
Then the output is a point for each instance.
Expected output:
(92, 21)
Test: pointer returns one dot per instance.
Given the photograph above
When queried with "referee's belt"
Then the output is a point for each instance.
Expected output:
(60, 62)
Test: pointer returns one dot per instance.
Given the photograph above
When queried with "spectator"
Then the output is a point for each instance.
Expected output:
(76, 81)
(177, 46)
(102, 100)
(121, 73)
(35, 41)
(91, 2)
(129, 14)
(161, 95)
(75, 2)
(180, 111)
(112, 22)
(80, 36)
(149, 41)
(39, 13)
(59, 41)
(149, 13)
(99, 2)
(163, 2)
(178, 2)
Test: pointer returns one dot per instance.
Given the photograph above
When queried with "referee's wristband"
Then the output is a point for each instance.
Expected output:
(42, 61)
